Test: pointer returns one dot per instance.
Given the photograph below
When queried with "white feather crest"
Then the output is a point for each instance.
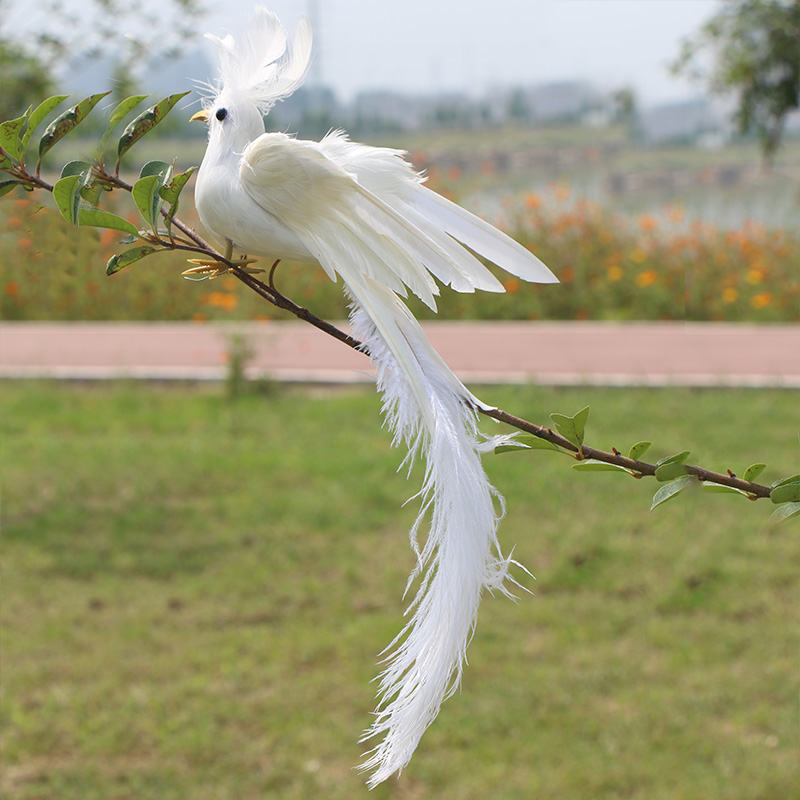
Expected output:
(263, 66)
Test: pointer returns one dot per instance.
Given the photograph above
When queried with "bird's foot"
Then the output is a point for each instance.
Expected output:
(213, 269)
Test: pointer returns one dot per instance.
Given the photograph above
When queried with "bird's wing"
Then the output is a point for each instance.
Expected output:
(388, 175)
(359, 218)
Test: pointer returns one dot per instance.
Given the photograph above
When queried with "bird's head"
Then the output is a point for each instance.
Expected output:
(255, 71)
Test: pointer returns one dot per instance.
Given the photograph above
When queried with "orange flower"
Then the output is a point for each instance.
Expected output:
(761, 300)
(754, 276)
(646, 278)
(14, 222)
(729, 295)
(199, 317)
(647, 222)
(511, 285)
(532, 200)
(12, 288)
(454, 173)
(614, 273)
(24, 243)
(567, 274)
(638, 256)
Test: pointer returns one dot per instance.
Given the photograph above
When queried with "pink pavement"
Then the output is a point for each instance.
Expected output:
(702, 354)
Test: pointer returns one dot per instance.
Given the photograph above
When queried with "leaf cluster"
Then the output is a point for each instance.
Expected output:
(672, 472)
(81, 184)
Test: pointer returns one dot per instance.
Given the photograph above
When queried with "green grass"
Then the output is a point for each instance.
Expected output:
(195, 591)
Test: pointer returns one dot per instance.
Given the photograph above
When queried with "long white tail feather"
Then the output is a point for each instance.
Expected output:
(430, 411)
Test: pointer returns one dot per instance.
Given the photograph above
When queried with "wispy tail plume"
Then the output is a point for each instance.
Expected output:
(430, 410)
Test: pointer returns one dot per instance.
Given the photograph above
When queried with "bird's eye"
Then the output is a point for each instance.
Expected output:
(221, 114)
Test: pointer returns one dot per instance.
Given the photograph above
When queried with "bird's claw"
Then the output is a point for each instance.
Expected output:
(213, 269)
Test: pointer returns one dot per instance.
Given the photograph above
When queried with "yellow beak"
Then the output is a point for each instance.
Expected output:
(200, 116)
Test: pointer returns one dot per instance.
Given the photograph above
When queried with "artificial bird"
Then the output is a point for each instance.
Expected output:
(364, 215)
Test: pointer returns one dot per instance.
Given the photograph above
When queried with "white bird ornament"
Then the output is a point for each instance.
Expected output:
(363, 214)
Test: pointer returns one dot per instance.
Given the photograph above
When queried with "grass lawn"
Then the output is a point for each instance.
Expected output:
(195, 590)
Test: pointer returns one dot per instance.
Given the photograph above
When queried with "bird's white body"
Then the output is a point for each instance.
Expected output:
(366, 217)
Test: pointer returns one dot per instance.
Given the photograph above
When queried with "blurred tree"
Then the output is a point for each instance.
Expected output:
(135, 35)
(25, 80)
(755, 49)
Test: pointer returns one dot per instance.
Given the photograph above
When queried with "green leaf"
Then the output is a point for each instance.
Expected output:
(785, 493)
(6, 162)
(160, 168)
(671, 489)
(572, 428)
(36, 118)
(100, 218)
(753, 471)
(529, 442)
(790, 479)
(117, 115)
(10, 139)
(8, 186)
(144, 123)
(667, 469)
(116, 263)
(64, 123)
(83, 169)
(784, 512)
(148, 200)
(67, 196)
(720, 488)
(91, 192)
(593, 465)
(638, 450)
(171, 192)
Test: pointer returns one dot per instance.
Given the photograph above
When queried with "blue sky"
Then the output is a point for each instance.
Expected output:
(473, 45)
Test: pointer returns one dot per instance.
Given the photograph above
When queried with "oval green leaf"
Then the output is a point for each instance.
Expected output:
(719, 488)
(8, 186)
(118, 114)
(785, 493)
(37, 117)
(638, 450)
(670, 490)
(147, 199)
(64, 123)
(171, 192)
(753, 471)
(67, 196)
(116, 263)
(100, 218)
(784, 512)
(81, 168)
(593, 465)
(10, 139)
(790, 479)
(145, 122)
(572, 428)
(527, 442)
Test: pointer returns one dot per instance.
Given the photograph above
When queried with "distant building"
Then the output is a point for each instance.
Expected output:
(691, 121)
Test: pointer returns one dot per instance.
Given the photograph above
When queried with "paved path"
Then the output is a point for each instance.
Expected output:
(553, 353)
